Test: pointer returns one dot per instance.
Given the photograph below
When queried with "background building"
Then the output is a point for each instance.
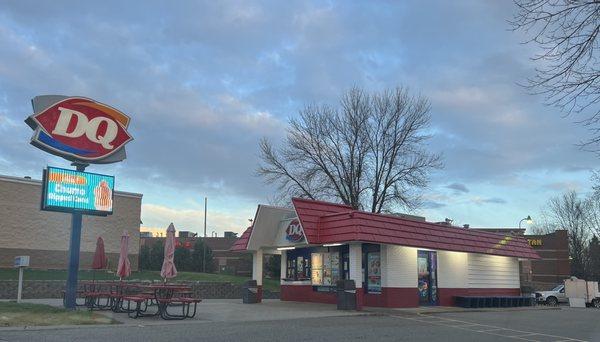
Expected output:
(44, 235)
(225, 261)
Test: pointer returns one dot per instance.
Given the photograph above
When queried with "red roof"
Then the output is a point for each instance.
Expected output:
(325, 222)
(332, 223)
(241, 244)
(310, 211)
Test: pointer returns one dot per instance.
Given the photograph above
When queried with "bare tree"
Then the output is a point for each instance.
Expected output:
(369, 153)
(593, 213)
(543, 224)
(568, 73)
(570, 212)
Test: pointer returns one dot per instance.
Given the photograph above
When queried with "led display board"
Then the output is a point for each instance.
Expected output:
(75, 191)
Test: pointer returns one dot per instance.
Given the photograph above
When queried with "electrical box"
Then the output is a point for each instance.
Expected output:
(22, 261)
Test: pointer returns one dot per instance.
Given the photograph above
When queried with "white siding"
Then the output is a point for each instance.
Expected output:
(355, 259)
(492, 271)
(399, 266)
(283, 266)
(257, 266)
(452, 269)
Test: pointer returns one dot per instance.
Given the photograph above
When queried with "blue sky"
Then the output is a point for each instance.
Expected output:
(203, 82)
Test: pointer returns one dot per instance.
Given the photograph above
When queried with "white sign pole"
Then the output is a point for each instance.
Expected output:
(20, 289)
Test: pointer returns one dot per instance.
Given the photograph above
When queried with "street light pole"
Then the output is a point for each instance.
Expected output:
(204, 241)
(528, 219)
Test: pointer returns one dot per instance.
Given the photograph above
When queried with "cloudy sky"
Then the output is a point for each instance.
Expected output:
(203, 82)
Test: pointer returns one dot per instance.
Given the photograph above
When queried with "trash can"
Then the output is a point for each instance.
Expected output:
(250, 292)
(346, 295)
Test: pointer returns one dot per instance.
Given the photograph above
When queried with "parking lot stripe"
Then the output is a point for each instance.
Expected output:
(487, 329)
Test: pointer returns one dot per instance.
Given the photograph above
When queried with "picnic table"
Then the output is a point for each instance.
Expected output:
(118, 296)
(165, 296)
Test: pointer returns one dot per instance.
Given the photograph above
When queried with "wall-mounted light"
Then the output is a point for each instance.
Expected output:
(285, 248)
(332, 244)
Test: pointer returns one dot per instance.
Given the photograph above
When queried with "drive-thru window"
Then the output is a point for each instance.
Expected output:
(394, 261)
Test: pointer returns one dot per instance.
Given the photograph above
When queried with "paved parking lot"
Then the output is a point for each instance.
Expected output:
(566, 324)
(274, 321)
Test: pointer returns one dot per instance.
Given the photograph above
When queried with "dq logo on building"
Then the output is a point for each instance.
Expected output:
(293, 232)
(79, 129)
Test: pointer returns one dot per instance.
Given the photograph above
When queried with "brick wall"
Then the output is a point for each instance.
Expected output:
(44, 235)
(54, 288)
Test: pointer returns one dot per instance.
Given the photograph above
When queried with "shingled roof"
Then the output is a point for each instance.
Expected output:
(325, 222)
(241, 244)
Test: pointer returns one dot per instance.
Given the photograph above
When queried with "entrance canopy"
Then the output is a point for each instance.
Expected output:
(313, 222)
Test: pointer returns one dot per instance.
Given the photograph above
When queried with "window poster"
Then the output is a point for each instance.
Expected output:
(325, 268)
(335, 267)
(374, 272)
(317, 269)
(300, 267)
(317, 277)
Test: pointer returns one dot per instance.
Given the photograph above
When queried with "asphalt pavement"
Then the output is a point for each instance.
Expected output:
(567, 324)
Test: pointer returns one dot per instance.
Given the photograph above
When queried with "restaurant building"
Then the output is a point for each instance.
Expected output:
(394, 261)
(44, 235)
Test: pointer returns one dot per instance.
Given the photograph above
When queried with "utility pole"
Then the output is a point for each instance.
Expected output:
(204, 244)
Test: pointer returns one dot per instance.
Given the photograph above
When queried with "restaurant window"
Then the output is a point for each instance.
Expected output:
(298, 265)
(372, 268)
(328, 266)
(325, 268)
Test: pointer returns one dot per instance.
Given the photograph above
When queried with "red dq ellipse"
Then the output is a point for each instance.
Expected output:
(81, 128)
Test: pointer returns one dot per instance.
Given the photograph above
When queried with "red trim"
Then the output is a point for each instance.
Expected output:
(394, 297)
(390, 297)
(305, 293)
(360, 299)
(446, 295)
(259, 293)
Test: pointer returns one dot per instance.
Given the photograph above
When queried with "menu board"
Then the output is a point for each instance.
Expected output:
(374, 272)
(75, 191)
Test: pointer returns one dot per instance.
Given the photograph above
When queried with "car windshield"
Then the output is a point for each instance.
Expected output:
(557, 288)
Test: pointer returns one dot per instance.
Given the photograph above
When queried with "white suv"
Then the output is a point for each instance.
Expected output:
(552, 297)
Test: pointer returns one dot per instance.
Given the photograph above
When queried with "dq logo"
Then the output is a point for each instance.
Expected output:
(81, 129)
(293, 232)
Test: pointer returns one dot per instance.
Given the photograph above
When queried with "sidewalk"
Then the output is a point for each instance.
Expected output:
(231, 310)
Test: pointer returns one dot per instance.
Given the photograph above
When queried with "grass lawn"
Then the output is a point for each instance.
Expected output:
(35, 274)
(14, 314)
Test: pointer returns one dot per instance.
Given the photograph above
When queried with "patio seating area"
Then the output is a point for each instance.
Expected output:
(167, 301)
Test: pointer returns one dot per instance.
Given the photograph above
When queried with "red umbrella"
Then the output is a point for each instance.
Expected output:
(99, 262)
(124, 267)
(168, 268)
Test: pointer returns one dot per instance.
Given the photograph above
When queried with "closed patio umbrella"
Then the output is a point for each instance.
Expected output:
(124, 267)
(99, 262)
(168, 269)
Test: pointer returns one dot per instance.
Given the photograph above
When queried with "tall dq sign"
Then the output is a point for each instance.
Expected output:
(84, 132)
(79, 129)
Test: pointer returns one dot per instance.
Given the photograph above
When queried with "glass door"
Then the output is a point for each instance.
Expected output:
(427, 277)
